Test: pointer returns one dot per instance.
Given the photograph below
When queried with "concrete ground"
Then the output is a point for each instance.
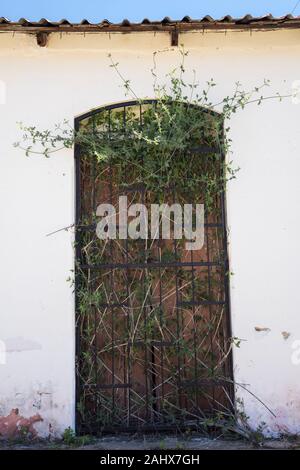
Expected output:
(127, 442)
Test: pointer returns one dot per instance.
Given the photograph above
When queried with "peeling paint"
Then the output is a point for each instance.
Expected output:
(261, 328)
(285, 334)
(13, 424)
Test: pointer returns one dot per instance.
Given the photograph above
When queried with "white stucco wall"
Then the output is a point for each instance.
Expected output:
(42, 86)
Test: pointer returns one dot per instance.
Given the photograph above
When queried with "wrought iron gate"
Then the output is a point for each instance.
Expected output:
(152, 319)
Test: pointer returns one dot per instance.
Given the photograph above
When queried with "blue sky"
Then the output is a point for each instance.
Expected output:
(136, 10)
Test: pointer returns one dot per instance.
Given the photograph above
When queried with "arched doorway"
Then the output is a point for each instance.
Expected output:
(152, 318)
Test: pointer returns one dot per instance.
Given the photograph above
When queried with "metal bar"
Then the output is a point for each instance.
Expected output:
(196, 303)
(156, 343)
(128, 357)
(107, 386)
(112, 292)
(112, 304)
(96, 358)
(78, 362)
(210, 312)
(179, 398)
(145, 313)
(162, 375)
(203, 381)
(195, 339)
(92, 227)
(196, 424)
(93, 204)
(148, 265)
(110, 107)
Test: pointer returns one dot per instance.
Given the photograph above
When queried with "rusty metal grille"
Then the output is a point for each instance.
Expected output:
(152, 319)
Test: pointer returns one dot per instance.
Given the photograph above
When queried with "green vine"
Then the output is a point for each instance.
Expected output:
(159, 142)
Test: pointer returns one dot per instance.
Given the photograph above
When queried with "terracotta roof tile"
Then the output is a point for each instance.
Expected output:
(267, 21)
